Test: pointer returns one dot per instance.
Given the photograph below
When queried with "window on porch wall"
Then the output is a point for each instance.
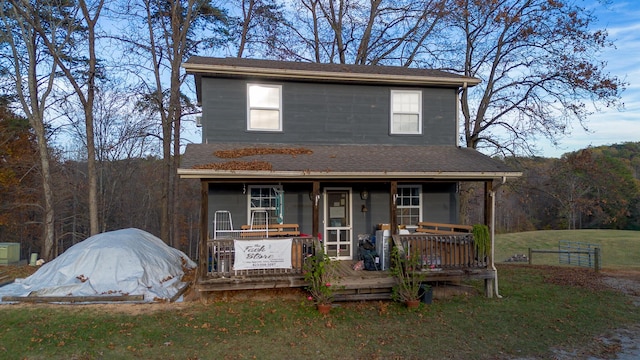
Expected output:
(408, 204)
(263, 198)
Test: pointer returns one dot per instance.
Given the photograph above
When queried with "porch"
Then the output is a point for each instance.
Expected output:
(445, 258)
(316, 187)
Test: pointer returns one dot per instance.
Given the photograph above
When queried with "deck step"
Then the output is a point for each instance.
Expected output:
(362, 294)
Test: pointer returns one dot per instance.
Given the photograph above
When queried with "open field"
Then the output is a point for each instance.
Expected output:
(619, 248)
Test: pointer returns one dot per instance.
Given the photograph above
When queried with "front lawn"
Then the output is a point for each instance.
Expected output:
(541, 308)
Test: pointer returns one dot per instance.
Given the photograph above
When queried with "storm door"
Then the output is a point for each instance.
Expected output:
(337, 223)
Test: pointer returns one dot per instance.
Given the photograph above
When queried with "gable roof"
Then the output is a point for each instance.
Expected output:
(305, 71)
(283, 161)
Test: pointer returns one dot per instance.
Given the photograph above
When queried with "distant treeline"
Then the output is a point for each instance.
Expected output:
(591, 188)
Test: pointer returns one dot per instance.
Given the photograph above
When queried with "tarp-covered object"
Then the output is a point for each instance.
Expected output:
(122, 262)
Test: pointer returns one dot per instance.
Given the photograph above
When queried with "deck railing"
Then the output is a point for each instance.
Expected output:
(221, 257)
(441, 252)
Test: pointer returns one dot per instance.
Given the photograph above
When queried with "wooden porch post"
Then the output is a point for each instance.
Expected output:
(393, 208)
(488, 220)
(316, 211)
(488, 212)
(204, 227)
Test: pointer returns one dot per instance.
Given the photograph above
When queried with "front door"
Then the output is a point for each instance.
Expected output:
(337, 223)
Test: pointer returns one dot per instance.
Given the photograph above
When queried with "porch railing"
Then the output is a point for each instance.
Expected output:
(221, 257)
(441, 252)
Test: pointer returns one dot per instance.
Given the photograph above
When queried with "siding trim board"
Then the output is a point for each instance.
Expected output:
(330, 77)
(250, 175)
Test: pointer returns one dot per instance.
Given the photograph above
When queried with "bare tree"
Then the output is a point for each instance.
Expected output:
(34, 72)
(164, 34)
(79, 67)
(119, 137)
(538, 63)
(260, 26)
(360, 32)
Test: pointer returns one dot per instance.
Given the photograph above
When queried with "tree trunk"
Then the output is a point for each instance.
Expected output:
(33, 101)
(88, 111)
(48, 230)
(166, 182)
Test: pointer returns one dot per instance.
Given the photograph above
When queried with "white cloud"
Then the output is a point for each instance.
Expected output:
(610, 126)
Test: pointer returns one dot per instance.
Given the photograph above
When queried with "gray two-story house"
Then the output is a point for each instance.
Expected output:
(328, 152)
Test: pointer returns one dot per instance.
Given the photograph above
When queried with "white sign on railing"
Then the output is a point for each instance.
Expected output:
(262, 254)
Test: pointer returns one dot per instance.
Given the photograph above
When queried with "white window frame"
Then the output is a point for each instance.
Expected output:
(400, 206)
(394, 112)
(271, 210)
(278, 108)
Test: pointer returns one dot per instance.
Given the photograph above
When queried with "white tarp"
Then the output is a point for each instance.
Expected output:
(262, 254)
(122, 262)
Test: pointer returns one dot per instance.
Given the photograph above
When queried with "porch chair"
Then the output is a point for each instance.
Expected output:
(260, 221)
(222, 223)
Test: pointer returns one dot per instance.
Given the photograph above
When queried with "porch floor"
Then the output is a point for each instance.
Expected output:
(353, 285)
(362, 285)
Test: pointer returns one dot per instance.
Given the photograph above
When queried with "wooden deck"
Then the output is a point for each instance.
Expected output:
(362, 284)
(352, 285)
(446, 258)
(377, 285)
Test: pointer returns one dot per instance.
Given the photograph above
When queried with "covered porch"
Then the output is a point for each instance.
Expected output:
(335, 197)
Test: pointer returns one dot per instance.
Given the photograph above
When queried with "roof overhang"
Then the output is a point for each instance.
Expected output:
(311, 75)
(306, 175)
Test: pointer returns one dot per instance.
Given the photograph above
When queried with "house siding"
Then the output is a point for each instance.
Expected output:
(230, 197)
(439, 205)
(325, 113)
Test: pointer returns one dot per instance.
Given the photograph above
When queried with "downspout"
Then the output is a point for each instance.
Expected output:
(458, 109)
(493, 234)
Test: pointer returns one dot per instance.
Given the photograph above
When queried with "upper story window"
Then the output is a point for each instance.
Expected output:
(406, 112)
(265, 107)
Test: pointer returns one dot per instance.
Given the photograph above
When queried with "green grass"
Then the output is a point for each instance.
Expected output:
(532, 317)
(459, 328)
(619, 249)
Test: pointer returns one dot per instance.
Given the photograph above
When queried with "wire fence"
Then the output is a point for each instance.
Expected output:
(574, 253)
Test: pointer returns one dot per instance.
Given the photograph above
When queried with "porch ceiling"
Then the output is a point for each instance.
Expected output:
(247, 161)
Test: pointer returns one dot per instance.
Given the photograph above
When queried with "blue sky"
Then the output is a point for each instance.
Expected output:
(621, 18)
(608, 126)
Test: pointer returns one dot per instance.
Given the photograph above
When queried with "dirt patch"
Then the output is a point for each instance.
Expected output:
(571, 276)
(254, 295)
(622, 343)
(12, 272)
(626, 281)
(112, 308)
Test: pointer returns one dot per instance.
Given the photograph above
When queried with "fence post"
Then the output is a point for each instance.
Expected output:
(596, 264)
(529, 256)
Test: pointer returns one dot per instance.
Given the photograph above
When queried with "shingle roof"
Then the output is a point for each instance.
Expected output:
(344, 161)
(273, 69)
